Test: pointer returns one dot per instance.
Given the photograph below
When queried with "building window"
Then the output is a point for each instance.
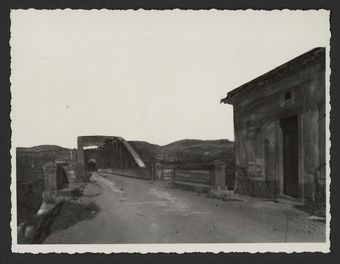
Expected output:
(287, 98)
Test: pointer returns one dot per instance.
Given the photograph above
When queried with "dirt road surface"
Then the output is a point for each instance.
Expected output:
(138, 211)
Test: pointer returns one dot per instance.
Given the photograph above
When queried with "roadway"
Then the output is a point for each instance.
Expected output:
(139, 211)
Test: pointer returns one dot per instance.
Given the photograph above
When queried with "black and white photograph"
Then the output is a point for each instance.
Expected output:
(170, 131)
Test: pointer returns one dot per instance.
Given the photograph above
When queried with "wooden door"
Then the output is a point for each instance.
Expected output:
(290, 156)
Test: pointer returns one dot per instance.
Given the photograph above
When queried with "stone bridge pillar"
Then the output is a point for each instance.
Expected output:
(80, 161)
(219, 176)
(54, 179)
(50, 177)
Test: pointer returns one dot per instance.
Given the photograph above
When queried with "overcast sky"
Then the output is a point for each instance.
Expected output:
(147, 75)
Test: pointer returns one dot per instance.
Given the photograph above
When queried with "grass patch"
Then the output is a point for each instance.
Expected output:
(72, 213)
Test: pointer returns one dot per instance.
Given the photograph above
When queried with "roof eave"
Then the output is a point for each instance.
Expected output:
(230, 98)
(227, 100)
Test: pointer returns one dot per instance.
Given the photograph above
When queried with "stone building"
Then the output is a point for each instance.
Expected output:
(279, 125)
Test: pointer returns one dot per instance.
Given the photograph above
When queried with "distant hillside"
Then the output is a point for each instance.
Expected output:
(33, 159)
(197, 151)
(181, 151)
(198, 144)
(186, 151)
(42, 148)
(37, 156)
(146, 150)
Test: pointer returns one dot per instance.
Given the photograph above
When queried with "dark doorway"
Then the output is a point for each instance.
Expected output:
(62, 181)
(290, 156)
(92, 165)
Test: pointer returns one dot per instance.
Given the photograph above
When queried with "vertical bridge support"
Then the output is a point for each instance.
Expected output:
(80, 161)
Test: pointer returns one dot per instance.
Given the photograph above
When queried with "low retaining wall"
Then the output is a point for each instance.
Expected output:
(164, 172)
(194, 176)
(210, 176)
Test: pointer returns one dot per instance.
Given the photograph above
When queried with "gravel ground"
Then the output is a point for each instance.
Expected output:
(138, 211)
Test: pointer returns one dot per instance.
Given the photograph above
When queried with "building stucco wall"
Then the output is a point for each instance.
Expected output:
(258, 134)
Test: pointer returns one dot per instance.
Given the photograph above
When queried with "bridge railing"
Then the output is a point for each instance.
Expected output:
(206, 176)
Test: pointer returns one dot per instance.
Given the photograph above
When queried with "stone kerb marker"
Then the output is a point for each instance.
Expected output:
(49, 194)
(219, 176)
(50, 177)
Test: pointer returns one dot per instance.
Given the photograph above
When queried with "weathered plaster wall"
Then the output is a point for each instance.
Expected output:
(258, 135)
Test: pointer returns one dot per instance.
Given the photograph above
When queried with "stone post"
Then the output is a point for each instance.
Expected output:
(50, 183)
(158, 171)
(50, 177)
(219, 176)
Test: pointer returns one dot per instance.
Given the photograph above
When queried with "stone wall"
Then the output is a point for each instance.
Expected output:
(194, 176)
(300, 91)
(210, 175)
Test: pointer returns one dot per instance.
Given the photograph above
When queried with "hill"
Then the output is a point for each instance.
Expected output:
(30, 160)
(147, 151)
(186, 151)
(198, 144)
(181, 151)
(42, 148)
